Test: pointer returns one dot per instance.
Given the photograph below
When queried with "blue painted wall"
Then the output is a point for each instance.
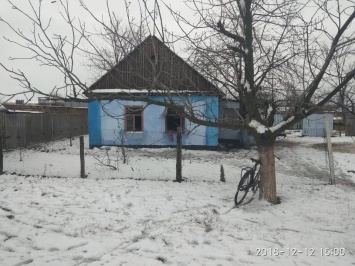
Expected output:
(212, 115)
(94, 112)
(106, 123)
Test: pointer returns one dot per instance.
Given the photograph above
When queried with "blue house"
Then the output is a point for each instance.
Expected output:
(127, 110)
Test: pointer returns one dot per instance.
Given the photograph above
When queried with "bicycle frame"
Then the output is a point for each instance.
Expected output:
(249, 181)
(255, 172)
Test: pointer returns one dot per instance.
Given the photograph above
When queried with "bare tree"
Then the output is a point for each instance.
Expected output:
(274, 56)
(117, 39)
(343, 60)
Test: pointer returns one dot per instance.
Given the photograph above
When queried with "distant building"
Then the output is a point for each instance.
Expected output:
(314, 125)
(20, 101)
(48, 105)
(350, 125)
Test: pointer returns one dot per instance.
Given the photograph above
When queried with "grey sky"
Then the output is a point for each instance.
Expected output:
(45, 78)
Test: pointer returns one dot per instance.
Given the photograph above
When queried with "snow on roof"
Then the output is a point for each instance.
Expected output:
(3, 108)
(25, 111)
(113, 91)
(143, 91)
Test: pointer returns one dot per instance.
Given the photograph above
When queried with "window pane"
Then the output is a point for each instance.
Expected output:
(138, 123)
(173, 122)
(230, 115)
(129, 123)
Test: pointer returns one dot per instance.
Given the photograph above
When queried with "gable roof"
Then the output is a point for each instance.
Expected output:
(154, 68)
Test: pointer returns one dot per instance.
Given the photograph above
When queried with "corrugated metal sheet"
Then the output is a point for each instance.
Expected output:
(350, 125)
(314, 125)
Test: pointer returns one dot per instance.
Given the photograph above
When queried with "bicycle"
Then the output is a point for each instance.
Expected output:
(249, 182)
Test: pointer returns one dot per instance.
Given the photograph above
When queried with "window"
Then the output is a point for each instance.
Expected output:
(134, 118)
(174, 120)
(231, 115)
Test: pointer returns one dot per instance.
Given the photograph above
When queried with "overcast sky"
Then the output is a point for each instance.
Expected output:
(45, 78)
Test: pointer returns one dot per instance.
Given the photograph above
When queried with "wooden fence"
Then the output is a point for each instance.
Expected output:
(23, 130)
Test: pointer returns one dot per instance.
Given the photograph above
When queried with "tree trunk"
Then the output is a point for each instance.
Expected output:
(268, 175)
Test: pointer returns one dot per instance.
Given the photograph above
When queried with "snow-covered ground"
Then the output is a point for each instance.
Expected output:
(136, 215)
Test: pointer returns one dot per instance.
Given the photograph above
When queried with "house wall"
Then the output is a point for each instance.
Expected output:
(94, 119)
(106, 124)
(226, 133)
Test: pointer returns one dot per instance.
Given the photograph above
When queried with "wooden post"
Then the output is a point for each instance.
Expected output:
(178, 155)
(222, 176)
(70, 129)
(52, 127)
(330, 150)
(1, 157)
(82, 159)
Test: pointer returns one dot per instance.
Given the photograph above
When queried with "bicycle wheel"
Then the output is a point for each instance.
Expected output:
(243, 188)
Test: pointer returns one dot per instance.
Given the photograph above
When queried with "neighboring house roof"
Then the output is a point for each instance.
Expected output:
(153, 68)
(3, 109)
(37, 108)
(230, 99)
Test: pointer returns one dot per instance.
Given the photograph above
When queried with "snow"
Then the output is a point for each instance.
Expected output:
(138, 216)
(137, 91)
(261, 129)
(282, 123)
(242, 5)
(269, 111)
(247, 85)
(112, 91)
(2, 108)
(25, 111)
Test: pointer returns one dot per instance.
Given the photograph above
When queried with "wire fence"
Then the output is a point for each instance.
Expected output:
(299, 161)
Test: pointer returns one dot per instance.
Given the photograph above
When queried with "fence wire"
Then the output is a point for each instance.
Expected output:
(299, 161)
